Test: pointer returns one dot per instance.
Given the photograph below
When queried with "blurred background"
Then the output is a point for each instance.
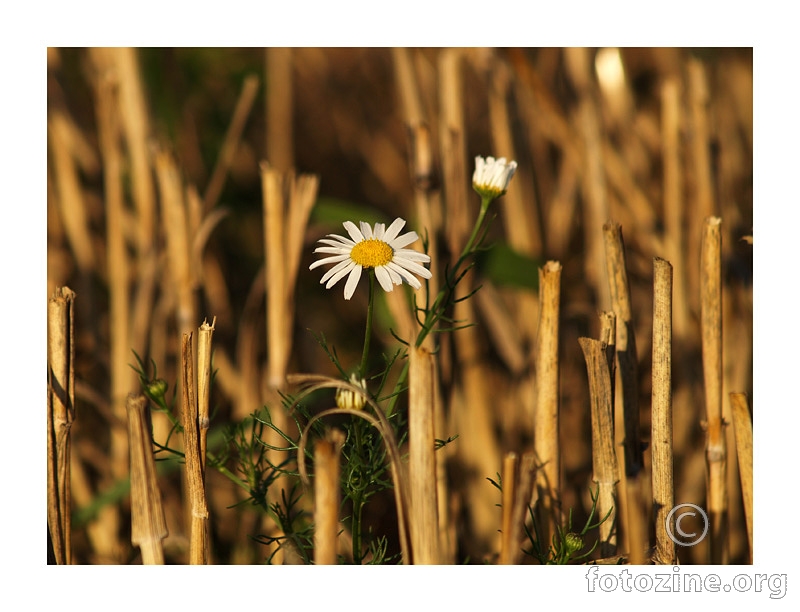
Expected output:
(656, 140)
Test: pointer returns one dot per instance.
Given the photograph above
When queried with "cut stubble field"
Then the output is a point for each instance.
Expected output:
(399, 306)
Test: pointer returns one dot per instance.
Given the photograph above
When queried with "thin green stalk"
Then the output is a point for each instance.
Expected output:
(436, 311)
(368, 332)
(470, 243)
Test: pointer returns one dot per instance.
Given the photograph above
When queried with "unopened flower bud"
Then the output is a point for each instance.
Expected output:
(157, 389)
(349, 398)
(573, 542)
(491, 176)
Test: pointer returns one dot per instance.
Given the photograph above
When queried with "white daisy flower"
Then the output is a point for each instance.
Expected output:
(378, 248)
(492, 176)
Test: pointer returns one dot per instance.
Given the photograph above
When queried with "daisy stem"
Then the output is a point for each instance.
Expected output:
(475, 230)
(442, 300)
(368, 332)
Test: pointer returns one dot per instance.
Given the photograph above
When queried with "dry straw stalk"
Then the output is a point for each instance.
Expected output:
(711, 322)
(135, 125)
(231, 142)
(117, 265)
(509, 482)
(633, 516)
(71, 201)
(674, 198)
(424, 521)
(204, 336)
(600, 367)
(60, 415)
(327, 453)
(517, 477)
(625, 343)
(148, 523)
(287, 203)
(545, 421)
(580, 68)
(453, 150)
(175, 213)
(743, 428)
(661, 437)
(195, 472)
(279, 106)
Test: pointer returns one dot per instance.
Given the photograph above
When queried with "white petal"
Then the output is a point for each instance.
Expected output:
(326, 260)
(351, 228)
(412, 266)
(394, 230)
(401, 272)
(336, 272)
(493, 174)
(340, 275)
(380, 228)
(396, 278)
(340, 241)
(366, 230)
(352, 281)
(407, 276)
(339, 250)
(384, 278)
(478, 174)
(403, 241)
(412, 255)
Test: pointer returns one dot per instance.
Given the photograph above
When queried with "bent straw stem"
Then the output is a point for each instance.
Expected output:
(743, 428)
(231, 142)
(382, 425)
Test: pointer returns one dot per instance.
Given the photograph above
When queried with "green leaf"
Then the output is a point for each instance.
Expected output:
(505, 266)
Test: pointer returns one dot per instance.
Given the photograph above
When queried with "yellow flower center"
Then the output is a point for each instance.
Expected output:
(371, 253)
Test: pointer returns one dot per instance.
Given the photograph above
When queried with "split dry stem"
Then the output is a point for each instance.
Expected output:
(148, 522)
(600, 367)
(195, 472)
(60, 416)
